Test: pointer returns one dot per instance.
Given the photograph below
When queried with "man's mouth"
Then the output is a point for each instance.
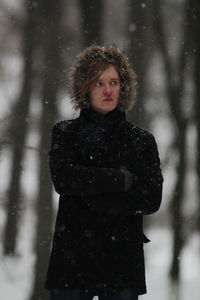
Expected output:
(108, 100)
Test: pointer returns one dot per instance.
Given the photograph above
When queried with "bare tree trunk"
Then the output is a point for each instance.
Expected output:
(140, 51)
(51, 36)
(175, 90)
(195, 15)
(176, 206)
(91, 20)
(17, 134)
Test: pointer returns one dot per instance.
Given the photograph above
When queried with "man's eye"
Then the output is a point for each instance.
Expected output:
(98, 83)
(114, 82)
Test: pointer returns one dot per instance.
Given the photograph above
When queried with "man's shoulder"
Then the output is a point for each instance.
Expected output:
(141, 139)
(137, 131)
(65, 125)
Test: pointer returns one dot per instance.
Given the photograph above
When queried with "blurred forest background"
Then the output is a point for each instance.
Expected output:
(39, 39)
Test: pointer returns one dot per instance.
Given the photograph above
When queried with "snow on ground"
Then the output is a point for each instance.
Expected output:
(158, 257)
(16, 273)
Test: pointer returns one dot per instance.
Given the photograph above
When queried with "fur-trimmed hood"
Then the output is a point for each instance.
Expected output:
(112, 55)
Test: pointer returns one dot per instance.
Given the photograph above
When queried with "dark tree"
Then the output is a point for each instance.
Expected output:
(141, 51)
(91, 21)
(51, 49)
(194, 13)
(175, 84)
(17, 133)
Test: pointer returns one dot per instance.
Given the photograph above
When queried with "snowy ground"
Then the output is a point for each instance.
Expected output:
(158, 256)
(16, 273)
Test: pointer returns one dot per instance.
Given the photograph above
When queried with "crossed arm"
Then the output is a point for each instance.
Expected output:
(104, 188)
(71, 178)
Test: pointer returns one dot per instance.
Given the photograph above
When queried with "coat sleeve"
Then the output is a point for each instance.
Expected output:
(71, 178)
(145, 197)
(146, 193)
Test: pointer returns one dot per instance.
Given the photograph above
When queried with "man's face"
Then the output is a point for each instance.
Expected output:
(104, 93)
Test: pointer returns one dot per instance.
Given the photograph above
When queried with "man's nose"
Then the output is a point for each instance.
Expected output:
(107, 90)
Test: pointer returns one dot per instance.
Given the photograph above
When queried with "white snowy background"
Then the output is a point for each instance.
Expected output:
(16, 273)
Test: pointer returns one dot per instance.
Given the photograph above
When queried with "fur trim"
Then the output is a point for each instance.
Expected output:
(112, 55)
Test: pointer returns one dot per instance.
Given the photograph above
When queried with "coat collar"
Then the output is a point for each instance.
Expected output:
(112, 118)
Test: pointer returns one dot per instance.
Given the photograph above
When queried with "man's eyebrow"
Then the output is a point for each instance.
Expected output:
(110, 79)
(114, 78)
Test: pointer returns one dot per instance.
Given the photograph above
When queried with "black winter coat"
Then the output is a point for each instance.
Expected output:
(98, 239)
